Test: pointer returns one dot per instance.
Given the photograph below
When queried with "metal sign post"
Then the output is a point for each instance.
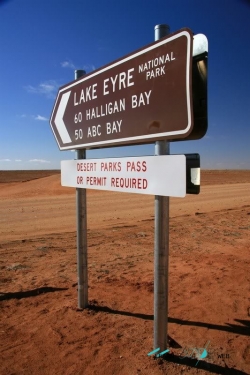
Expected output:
(81, 220)
(161, 245)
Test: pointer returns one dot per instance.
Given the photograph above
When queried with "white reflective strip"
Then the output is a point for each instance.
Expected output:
(195, 176)
(200, 44)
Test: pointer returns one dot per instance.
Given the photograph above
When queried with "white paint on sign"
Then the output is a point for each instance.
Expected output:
(156, 175)
(118, 82)
(61, 128)
(151, 64)
(139, 100)
(107, 109)
(114, 127)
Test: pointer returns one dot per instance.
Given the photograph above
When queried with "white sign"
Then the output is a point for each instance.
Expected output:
(157, 175)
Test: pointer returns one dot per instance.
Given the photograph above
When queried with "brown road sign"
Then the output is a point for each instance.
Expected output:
(143, 97)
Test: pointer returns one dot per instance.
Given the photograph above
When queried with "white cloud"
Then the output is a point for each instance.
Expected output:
(18, 160)
(34, 117)
(89, 67)
(68, 64)
(48, 88)
(5, 160)
(39, 161)
(41, 118)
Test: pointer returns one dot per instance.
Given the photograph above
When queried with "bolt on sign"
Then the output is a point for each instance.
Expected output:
(143, 97)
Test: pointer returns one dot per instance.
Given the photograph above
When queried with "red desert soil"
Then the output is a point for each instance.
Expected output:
(43, 332)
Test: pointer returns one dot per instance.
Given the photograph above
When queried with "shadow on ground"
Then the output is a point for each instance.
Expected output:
(29, 293)
(243, 329)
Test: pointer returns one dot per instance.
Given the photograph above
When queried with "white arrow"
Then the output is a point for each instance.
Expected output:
(59, 118)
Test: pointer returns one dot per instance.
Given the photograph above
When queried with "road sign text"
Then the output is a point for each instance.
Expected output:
(161, 175)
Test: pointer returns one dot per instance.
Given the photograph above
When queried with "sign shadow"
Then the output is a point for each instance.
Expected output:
(243, 329)
(29, 293)
(203, 365)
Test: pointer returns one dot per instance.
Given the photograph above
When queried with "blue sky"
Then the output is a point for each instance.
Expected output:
(42, 42)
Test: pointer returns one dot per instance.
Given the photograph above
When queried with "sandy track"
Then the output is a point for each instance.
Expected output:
(27, 208)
